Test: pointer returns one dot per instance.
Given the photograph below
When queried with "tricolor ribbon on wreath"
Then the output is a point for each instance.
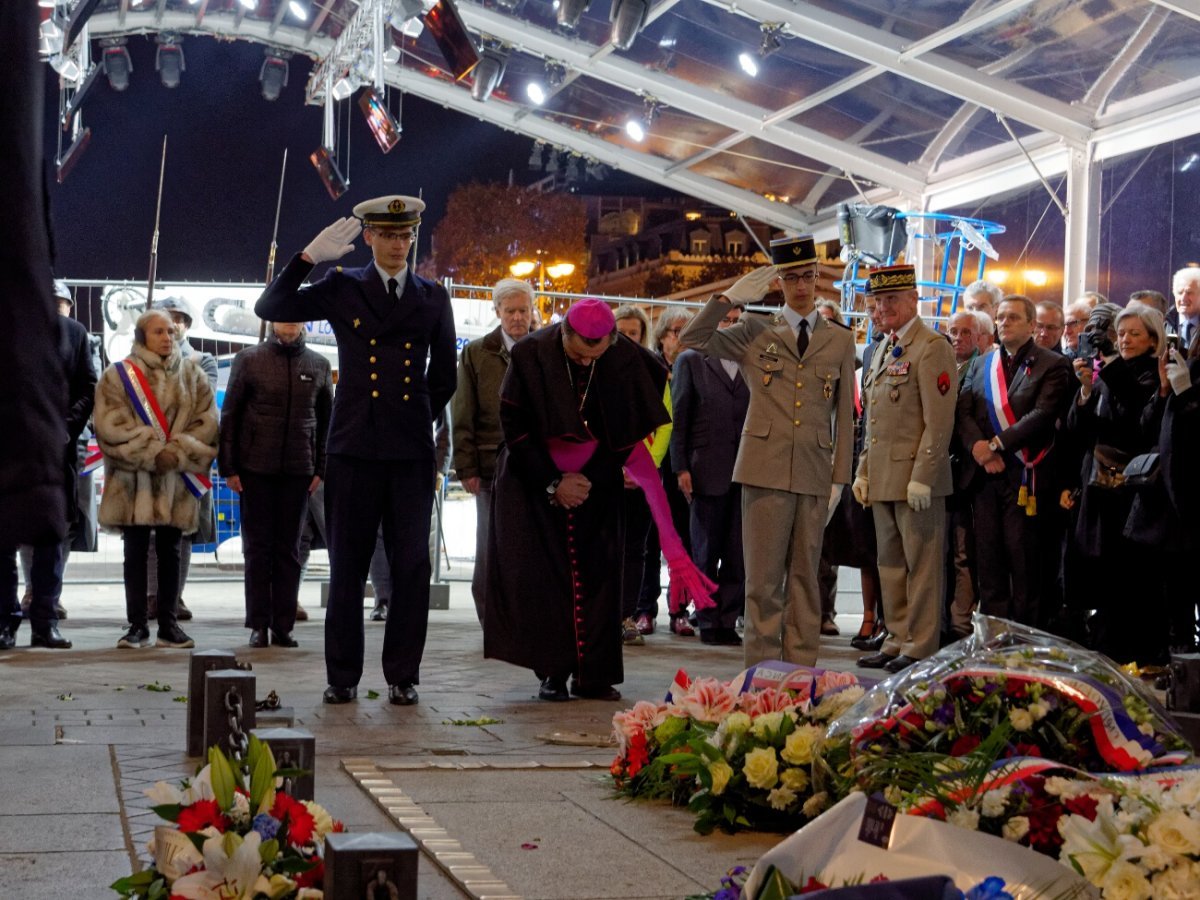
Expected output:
(995, 390)
(145, 404)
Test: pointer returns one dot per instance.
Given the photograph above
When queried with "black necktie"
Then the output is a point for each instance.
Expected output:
(392, 285)
(802, 337)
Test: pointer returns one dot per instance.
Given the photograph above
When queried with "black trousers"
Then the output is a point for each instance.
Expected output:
(273, 510)
(137, 547)
(45, 586)
(716, 530)
(360, 495)
(633, 563)
(1004, 553)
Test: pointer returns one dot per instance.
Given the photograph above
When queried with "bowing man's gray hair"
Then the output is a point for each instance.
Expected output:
(507, 287)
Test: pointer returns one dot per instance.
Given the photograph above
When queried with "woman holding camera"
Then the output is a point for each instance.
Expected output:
(1111, 422)
(156, 422)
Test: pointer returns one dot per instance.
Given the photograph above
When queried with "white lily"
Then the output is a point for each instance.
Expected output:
(200, 787)
(232, 869)
(164, 794)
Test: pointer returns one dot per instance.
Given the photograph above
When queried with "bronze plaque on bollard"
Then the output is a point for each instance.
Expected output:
(377, 865)
(202, 661)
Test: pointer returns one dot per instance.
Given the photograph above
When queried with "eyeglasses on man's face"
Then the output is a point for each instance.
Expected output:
(390, 235)
(674, 331)
(793, 277)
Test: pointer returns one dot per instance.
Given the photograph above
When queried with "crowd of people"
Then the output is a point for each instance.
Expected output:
(1021, 459)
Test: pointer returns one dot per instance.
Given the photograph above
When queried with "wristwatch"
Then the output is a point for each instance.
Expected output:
(994, 445)
(552, 488)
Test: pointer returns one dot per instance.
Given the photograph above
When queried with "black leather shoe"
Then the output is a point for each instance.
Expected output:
(379, 613)
(900, 663)
(402, 695)
(872, 641)
(721, 637)
(258, 637)
(49, 637)
(876, 660)
(554, 690)
(7, 641)
(283, 639)
(595, 692)
(335, 694)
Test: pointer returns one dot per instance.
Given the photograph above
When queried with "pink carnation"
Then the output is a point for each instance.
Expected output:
(768, 700)
(635, 721)
(707, 700)
(829, 681)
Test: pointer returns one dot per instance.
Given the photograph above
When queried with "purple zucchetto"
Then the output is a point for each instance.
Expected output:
(591, 319)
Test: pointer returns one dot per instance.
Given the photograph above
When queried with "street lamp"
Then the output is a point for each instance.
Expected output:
(523, 268)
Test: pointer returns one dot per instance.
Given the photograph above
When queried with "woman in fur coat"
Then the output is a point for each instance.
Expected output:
(151, 468)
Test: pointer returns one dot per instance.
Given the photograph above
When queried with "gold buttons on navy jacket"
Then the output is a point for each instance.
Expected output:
(408, 362)
(406, 398)
(408, 345)
(372, 359)
(374, 376)
(407, 379)
(374, 393)
(372, 342)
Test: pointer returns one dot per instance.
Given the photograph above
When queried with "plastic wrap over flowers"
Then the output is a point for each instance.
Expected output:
(1022, 692)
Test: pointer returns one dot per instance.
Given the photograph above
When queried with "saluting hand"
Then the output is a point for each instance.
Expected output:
(751, 287)
(334, 241)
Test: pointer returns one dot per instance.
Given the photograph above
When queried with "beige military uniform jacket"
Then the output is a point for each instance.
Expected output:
(799, 431)
(908, 403)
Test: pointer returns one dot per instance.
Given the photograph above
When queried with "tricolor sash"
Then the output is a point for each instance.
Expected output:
(145, 404)
(93, 459)
(995, 391)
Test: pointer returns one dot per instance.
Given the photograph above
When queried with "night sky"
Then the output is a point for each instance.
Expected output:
(224, 151)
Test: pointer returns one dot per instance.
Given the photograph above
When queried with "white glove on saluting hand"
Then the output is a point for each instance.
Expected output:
(333, 242)
(920, 496)
(1178, 374)
(751, 287)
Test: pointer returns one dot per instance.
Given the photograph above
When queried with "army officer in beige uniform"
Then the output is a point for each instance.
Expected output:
(904, 471)
(796, 446)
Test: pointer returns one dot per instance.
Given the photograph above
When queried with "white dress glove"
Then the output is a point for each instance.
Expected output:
(333, 242)
(835, 494)
(920, 496)
(859, 490)
(1178, 374)
(751, 287)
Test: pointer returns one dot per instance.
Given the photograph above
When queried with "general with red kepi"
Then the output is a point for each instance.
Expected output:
(396, 368)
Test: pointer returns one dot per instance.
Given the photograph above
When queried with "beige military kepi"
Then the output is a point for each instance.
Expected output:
(395, 210)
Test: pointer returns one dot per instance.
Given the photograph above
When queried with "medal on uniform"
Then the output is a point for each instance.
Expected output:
(897, 351)
(767, 380)
(894, 394)
(357, 322)
(827, 390)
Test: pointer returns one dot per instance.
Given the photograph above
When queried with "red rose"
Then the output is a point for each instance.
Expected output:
(201, 815)
(1083, 805)
(965, 745)
(295, 816)
(638, 754)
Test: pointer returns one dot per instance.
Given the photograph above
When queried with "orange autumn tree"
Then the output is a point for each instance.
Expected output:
(489, 226)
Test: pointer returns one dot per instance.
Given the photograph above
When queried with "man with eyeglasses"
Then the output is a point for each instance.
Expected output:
(396, 370)
(796, 448)
(1077, 314)
(1048, 327)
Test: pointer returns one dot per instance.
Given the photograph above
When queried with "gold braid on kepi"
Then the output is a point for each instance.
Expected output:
(793, 251)
(393, 211)
(891, 279)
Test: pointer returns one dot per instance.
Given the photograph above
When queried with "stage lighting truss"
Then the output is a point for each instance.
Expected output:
(168, 59)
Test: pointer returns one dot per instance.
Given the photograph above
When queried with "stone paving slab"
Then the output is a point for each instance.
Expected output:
(52, 832)
(55, 875)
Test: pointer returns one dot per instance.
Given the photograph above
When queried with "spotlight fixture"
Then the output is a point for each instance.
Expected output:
(66, 66)
(116, 62)
(168, 59)
(535, 156)
(634, 129)
(406, 17)
(489, 72)
(298, 9)
(536, 93)
(556, 73)
(343, 88)
(49, 38)
(748, 64)
(274, 73)
(552, 166)
(628, 17)
(637, 129)
(570, 12)
(771, 41)
(79, 95)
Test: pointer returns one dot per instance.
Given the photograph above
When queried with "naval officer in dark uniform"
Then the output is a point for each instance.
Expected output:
(396, 368)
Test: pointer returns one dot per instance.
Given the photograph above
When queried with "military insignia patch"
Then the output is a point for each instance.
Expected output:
(396, 206)
(771, 348)
(943, 382)
(357, 322)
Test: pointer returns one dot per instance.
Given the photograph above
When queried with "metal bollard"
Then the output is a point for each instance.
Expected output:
(293, 748)
(370, 865)
(229, 713)
(202, 661)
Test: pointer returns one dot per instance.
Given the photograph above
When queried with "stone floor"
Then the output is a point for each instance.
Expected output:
(82, 733)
